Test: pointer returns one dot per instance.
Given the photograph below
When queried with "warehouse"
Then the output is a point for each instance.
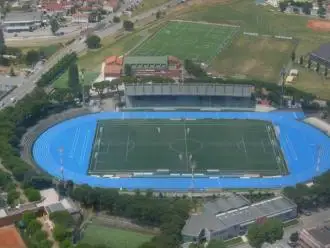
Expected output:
(230, 216)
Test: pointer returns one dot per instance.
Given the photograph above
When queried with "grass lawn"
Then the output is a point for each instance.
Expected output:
(187, 40)
(112, 237)
(146, 5)
(93, 59)
(62, 81)
(254, 57)
(262, 19)
(171, 145)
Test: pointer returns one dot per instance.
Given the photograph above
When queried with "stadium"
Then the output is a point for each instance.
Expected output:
(174, 150)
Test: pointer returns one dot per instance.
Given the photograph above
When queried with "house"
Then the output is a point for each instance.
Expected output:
(113, 66)
(231, 215)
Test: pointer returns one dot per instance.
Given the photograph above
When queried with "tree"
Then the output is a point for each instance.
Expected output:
(128, 70)
(116, 19)
(32, 57)
(256, 235)
(321, 12)
(54, 25)
(194, 69)
(128, 25)
(306, 8)
(33, 227)
(100, 87)
(273, 229)
(294, 237)
(93, 42)
(60, 233)
(317, 69)
(283, 5)
(309, 64)
(301, 60)
(158, 14)
(12, 196)
(293, 56)
(325, 72)
(73, 79)
(32, 194)
(2, 41)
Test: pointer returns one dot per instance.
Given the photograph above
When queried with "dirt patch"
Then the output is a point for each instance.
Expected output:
(319, 26)
(10, 238)
(198, 3)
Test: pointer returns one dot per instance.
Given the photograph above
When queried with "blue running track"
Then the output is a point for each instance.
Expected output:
(299, 142)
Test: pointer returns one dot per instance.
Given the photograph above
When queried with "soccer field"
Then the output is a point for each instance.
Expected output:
(188, 40)
(175, 146)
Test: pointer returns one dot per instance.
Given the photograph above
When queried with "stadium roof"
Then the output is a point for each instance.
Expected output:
(145, 60)
(201, 89)
(322, 54)
(321, 234)
(226, 203)
(240, 216)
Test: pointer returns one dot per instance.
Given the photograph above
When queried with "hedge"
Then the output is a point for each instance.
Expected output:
(57, 70)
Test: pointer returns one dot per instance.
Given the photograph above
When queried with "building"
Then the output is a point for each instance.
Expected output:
(196, 95)
(112, 67)
(230, 216)
(18, 21)
(80, 18)
(321, 55)
(317, 237)
(161, 66)
(50, 202)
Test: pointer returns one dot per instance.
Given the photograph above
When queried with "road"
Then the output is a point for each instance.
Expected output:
(78, 46)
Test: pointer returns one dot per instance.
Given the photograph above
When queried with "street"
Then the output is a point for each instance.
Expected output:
(77, 46)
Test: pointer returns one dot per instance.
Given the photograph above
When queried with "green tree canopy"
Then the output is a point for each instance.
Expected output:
(32, 57)
(73, 79)
(93, 42)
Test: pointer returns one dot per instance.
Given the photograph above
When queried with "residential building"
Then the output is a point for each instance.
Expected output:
(18, 21)
(316, 237)
(162, 66)
(231, 215)
(113, 67)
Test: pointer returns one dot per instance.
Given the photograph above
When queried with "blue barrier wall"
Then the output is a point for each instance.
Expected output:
(299, 142)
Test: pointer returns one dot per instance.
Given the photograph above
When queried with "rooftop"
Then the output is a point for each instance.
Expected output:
(145, 60)
(21, 16)
(239, 216)
(49, 197)
(226, 203)
(321, 234)
(194, 89)
(323, 52)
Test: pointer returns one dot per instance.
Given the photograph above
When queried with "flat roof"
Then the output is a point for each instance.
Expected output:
(190, 89)
(145, 60)
(240, 216)
(21, 16)
(226, 203)
(323, 52)
(49, 196)
(321, 234)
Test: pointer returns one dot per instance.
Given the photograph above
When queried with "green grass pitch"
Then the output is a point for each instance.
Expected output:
(225, 146)
(113, 237)
(188, 40)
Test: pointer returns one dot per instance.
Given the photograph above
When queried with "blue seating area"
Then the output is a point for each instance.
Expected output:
(299, 143)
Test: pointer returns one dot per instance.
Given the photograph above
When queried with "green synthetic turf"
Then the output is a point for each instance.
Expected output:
(188, 40)
(113, 237)
(230, 146)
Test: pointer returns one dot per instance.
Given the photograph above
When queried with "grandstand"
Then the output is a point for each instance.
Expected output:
(195, 95)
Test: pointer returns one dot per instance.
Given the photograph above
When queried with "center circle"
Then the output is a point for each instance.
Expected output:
(183, 146)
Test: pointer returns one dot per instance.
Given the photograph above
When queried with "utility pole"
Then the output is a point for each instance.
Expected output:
(283, 84)
(61, 150)
(83, 85)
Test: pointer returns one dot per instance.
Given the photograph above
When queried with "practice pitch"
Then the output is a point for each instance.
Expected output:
(182, 146)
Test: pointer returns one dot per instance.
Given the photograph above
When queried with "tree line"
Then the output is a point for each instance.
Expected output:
(57, 70)
(313, 196)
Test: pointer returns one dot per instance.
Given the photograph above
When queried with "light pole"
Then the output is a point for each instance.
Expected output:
(61, 150)
(82, 75)
(192, 167)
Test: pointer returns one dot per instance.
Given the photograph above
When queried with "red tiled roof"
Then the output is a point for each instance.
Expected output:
(54, 7)
(112, 70)
(113, 3)
(114, 60)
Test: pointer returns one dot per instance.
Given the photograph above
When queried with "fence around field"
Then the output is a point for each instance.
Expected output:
(298, 149)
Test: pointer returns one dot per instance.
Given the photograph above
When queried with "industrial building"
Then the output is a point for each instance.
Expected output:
(230, 216)
(18, 21)
(316, 237)
(321, 55)
(197, 95)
